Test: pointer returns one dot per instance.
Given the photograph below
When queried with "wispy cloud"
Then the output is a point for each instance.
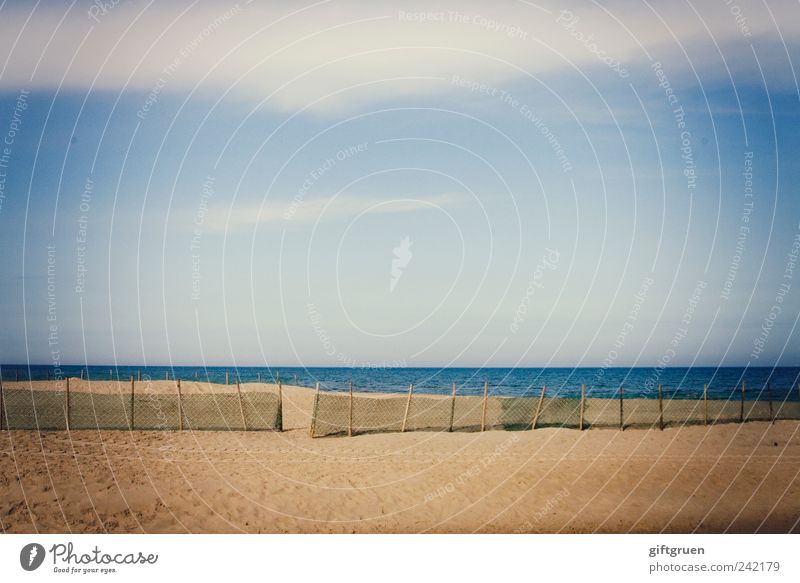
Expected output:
(337, 55)
(305, 212)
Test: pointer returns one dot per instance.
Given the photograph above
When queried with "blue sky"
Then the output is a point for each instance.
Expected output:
(254, 168)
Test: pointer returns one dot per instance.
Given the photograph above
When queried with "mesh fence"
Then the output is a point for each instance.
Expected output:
(262, 411)
(429, 413)
(92, 411)
(338, 414)
(511, 413)
(31, 409)
(221, 411)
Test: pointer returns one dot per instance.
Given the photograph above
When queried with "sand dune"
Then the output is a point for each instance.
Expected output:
(735, 478)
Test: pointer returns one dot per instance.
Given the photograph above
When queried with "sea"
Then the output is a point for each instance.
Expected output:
(676, 382)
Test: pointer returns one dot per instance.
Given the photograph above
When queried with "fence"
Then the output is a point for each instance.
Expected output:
(337, 413)
(221, 408)
(131, 407)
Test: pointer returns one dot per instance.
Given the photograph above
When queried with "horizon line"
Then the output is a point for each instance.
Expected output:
(267, 366)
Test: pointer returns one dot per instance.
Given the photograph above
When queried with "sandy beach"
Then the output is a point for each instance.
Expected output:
(724, 478)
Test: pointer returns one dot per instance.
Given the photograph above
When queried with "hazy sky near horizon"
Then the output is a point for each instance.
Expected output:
(405, 183)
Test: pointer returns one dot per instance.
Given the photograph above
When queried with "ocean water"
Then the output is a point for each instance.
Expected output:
(677, 382)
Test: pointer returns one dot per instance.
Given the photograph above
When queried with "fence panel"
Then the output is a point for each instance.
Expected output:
(640, 413)
(601, 413)
(679, 412)
(262, 411)
(467, 413)
(155, 411)
(785, 410)
(723, 411)
(429, 413)
(99, 411)
(377, 414)
(560, 412)
(332, 415)
(757, 411)
(511, 413)
(33, 409)
(215, 411)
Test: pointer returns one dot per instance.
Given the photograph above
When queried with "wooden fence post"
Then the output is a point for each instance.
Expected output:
(314, 412)
(660, 409)
(227, 382)
(741, 410)
(2, 405)
(452, 407)
(132, 402)
(769, 396)
(138, 375)
(180, 407)
(295, 380)
(241, 407)
(538, 408)
(408, 406)
(81, 373)
(621, 415)
(66, 398)
(350, 411)
(280, 406)
(705, 404)
(583, 400)
(483, 411)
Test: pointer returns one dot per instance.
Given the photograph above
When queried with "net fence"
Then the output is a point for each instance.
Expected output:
(220, 408)
(340, 413)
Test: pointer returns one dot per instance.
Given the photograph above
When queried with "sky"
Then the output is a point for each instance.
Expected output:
(352, 183)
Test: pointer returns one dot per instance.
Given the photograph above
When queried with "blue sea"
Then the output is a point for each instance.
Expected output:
(600, 382)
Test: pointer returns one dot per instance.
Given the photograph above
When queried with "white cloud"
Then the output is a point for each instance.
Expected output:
(304, 212)
(339, 54)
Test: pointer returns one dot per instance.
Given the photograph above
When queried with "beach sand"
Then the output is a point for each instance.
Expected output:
(724, 478)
